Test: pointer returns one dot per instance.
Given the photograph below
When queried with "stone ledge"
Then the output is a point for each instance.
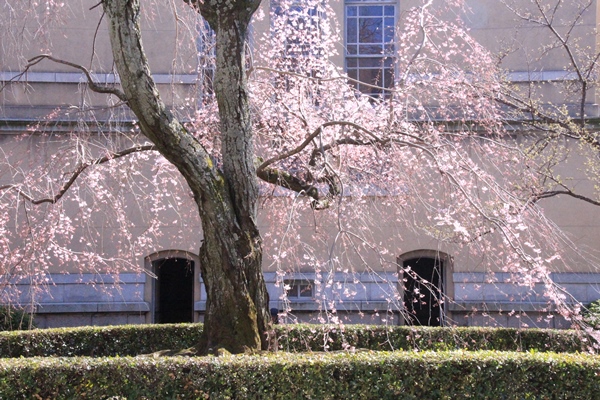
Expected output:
(70, 308)
(312, 306)
(479, 307)
(58, 279)
(504, 277)
(76, 77)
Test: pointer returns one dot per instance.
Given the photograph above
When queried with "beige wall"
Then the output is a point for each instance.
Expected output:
(489, 22)
(80, 37)
(73, 38)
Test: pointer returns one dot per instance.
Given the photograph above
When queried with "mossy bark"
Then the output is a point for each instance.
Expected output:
(237, 316)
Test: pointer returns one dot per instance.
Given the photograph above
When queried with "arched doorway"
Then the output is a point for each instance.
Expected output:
(173, 290)
(423, 285)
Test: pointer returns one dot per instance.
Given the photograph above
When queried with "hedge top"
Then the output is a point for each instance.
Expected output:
(131, 340)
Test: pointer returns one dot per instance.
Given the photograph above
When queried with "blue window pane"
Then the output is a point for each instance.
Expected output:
(370, 76)
(388, 78)
(352, 30)
(370, 35)
(352, 73)
(389, 33)
(370, 62)
(389, 22)
(370, 11)
(370, 30)
(370, 49)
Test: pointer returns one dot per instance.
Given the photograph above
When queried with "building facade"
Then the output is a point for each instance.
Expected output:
(368, 36)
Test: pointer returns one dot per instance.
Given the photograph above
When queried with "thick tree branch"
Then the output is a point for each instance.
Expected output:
(288, 181)
(319, 130)
(75, 174)
(210, 11)
(567, 192)
(300, 147)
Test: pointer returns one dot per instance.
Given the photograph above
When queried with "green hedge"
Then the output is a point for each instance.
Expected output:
(377, 337)
(123, 340)
(364, 375)
(132, 340)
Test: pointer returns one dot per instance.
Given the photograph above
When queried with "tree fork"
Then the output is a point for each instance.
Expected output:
(237, 316)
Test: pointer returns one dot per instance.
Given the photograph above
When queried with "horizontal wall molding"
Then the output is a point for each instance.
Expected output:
(362, 277)
(504, 277)
(498, 306)
(189, 79)
(73, 279)
(313, 306)
(76, 77)
(74, 308)
(540, 76)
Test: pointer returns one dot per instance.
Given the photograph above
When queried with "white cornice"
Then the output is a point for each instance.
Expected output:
(188, 79)
(76, 77)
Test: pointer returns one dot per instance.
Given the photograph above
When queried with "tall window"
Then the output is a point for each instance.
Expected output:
(370, 26)
(297, 25)
(299, 43)
(205, 45)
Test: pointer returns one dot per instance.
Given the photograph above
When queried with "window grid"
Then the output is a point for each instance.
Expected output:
(370, 30)
(299, 289)
(300, 14)
(206, 48)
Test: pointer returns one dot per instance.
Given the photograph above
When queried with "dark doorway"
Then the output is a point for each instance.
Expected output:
(174, 292)
(423, 291)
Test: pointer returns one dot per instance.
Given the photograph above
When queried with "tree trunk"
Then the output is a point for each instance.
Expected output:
(237, 316)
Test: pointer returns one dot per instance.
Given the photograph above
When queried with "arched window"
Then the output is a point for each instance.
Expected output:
(425, 275)
(174, 286)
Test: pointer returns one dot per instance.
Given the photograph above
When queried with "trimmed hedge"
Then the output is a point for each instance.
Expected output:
(109, 341)
(131, 340)
(363, 375)
(378, 337)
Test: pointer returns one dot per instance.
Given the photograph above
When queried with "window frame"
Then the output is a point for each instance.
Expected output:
(298, 8)
(206, 54)
(385, 59)
(296, 291)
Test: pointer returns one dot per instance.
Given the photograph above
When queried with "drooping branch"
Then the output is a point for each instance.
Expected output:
(287, 180)
(95, 87)
(76, 174)
(537, 113)
(421, 46)
(318, 79)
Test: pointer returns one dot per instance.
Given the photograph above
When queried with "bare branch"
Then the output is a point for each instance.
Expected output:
(78, 171)
(319, 130)
(568, 192)
(298, 148)
(95, 87)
